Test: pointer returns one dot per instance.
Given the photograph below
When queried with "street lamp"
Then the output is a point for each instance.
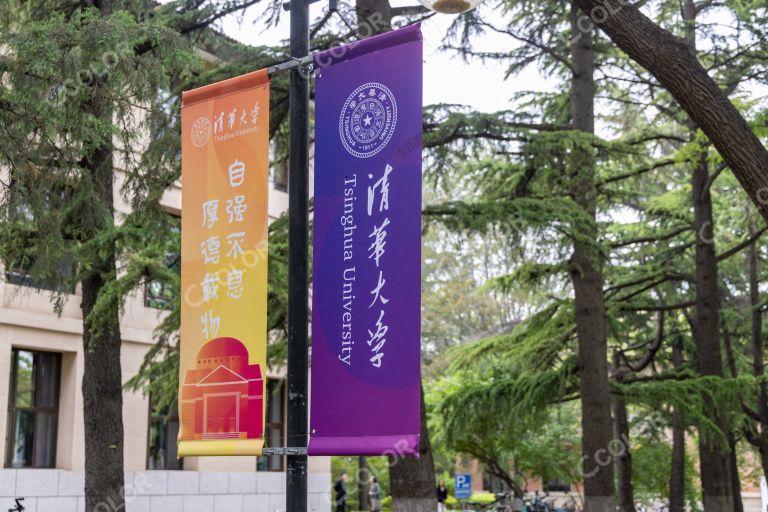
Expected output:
(450, 6)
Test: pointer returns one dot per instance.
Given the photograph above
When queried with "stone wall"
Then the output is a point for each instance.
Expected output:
(56, 490)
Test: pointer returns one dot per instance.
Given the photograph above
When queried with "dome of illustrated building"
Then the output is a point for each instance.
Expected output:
(220, 346)
(223, 397)
(229, 352)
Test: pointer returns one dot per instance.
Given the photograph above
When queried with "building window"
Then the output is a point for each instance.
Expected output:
(278, 171)
(494, 484)
(163, 432)
(557, 485)
(159, 293)
(20, 273)
(33, 409)
(274, 426)
(280, 176)
(22, 266)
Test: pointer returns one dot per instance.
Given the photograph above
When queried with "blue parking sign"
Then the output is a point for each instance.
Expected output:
(463, 486)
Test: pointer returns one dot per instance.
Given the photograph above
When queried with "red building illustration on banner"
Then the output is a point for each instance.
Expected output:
(223, 397)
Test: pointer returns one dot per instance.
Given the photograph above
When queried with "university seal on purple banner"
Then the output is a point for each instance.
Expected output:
(366, 287)
(368, 120)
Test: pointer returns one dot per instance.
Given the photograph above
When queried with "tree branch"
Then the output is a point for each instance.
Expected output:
(671, 61)
(647, 239)
(741, 246)
(409, 10)
(642, 170)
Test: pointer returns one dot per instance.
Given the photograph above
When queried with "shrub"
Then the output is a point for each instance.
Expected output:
(482, 498)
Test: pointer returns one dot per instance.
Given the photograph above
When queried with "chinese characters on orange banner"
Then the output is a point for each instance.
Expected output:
(224, 267)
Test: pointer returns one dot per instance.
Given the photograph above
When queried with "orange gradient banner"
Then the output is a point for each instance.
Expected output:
(225, 167)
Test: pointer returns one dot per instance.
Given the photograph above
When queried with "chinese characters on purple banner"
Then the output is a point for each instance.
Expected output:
(377, 335)
(366, 295)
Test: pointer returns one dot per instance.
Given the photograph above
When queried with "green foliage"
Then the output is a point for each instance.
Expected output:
(693, 397)
(377, 466)
(512, 171)
(651, 456)
(455, 308)
(58, 71)
(482, 498)
(502, 216)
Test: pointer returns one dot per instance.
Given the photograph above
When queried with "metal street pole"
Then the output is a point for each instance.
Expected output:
(298, 238)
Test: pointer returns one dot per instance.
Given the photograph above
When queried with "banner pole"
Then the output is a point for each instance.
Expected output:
(298, 210)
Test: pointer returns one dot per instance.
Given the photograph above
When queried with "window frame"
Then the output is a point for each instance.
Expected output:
(13, 408)
(19, 273)
(557, 485)
(163, 300)
(165, 420)
(281, 425)
(280, 176)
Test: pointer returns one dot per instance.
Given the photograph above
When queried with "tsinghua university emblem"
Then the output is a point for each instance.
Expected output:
(368, 120)
(201, 132)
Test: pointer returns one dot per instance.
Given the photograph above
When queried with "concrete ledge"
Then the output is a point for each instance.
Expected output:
(242, 483)
(183, 482)
(233, 502)
(7, 483)
(58, 490)
(30, 505)
(271, 482)
(37, 482)
(199, 503)
(71, 483)
(319, 482)
(166, 503)
(255, 503)
(150, 483)
(214, 482)
(57, 504)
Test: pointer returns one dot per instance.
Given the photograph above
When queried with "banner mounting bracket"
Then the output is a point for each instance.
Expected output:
(294, 63)
(285, 450)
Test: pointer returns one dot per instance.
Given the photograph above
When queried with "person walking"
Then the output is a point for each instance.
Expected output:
(442, 496)
(340, 491)
(374, 494)
(538, 505)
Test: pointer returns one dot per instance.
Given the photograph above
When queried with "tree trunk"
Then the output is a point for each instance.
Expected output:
(102, 375)
(738, 505)
(716, 473)
(758, 354)
(669, 59)
(373, 17)
(733, 462)
(102, 404)
(626, 499)
(587, 278)
(362, 483)
(715, 464)
(677, 470)
(412, 480)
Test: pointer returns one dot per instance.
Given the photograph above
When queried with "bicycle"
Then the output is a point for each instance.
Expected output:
(501, 503)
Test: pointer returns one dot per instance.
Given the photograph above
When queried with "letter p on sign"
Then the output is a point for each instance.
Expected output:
(463, 486)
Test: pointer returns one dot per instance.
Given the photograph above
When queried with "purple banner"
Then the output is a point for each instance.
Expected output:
(366, 296)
